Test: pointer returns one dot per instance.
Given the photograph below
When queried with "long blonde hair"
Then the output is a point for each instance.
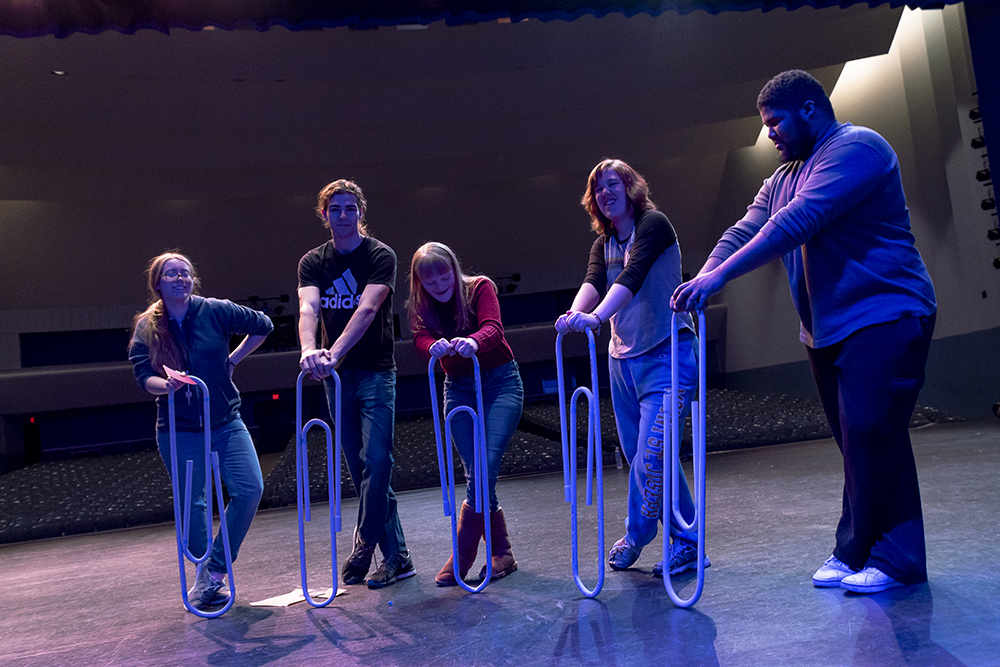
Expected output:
(424, 311)
(152, 324)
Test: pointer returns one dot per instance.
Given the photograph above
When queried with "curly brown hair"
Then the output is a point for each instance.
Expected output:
(636, 190)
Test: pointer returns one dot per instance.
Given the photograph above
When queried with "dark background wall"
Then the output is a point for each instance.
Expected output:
(480, 136)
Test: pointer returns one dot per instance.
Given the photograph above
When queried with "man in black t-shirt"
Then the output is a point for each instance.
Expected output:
(347, 284)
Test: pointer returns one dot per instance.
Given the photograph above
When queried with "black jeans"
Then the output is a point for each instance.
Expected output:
(869, 383)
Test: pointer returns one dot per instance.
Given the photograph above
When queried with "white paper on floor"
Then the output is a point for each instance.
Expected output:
(296, 596)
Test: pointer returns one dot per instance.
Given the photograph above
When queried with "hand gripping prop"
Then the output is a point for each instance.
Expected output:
(302, 482)
(182, 515)
(481, 472)
(594, 464)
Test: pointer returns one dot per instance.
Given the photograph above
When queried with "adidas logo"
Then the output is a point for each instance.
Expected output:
(343, 294)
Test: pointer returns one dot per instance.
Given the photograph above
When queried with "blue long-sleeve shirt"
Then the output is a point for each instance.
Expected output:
(203, 340)
(840, 221)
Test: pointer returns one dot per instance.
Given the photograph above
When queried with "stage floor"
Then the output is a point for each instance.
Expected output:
(113, 598)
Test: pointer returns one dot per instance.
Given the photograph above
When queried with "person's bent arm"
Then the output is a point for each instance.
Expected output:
(428, 346)
(371, 299)
(716, 273)
(158, 386)
(244, 349)
(618, 297)
(312, 358)
(586, 298)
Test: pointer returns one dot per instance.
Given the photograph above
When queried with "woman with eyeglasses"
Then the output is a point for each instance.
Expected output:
(190, 334)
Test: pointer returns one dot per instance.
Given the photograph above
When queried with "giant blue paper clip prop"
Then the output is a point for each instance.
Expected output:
(480, 468)
(672, 410)
(182, 515)
(332, 478)
(594, 465)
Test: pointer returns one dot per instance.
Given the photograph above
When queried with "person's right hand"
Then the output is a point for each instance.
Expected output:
(694, 294)
(440, 348)
(315, 363)
(562, 323)
(173, 384)
(576, 320)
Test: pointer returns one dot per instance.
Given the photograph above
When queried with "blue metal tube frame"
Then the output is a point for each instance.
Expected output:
(182, 522)
(480, 467)
(594, 464)
(672, 410)
(302, 483)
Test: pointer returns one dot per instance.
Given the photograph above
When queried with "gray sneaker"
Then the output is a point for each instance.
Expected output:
(207, 592)
(623, 555)
(359, 562)
(395, 567)
(683, 557)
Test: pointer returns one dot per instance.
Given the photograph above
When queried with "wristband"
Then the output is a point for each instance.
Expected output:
(597, 331)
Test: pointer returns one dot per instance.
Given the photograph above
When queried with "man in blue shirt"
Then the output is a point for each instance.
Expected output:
(835, 213)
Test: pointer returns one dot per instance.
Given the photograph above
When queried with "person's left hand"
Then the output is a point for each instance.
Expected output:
(580, 321)
(465, 347)
(440, 347)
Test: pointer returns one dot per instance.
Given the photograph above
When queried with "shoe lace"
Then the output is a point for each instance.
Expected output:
(363, 551)
(214, 585)
(683, 552)
(620, 547)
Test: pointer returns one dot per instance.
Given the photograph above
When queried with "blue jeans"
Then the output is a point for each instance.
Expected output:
(503, 398)
(368, 412)
(637, 389)
(869, 383)
(240, 472)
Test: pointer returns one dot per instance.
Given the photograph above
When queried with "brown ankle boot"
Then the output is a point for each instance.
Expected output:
(470, 531)
(503, 559)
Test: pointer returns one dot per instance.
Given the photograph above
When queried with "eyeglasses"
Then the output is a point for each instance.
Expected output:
(174, 274)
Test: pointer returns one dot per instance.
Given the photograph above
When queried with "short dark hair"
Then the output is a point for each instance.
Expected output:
(790, 90)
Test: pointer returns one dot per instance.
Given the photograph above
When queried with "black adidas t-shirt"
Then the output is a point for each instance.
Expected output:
(341, 279)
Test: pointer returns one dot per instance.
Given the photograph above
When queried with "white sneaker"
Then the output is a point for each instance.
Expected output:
(869, 580)
(832, 573)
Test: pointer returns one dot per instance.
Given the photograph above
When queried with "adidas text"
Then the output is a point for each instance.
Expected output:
(337, 301)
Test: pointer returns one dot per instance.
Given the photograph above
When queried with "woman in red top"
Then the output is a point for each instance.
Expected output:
(454, 316)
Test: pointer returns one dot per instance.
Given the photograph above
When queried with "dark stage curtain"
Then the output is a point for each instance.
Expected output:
(30, 18)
